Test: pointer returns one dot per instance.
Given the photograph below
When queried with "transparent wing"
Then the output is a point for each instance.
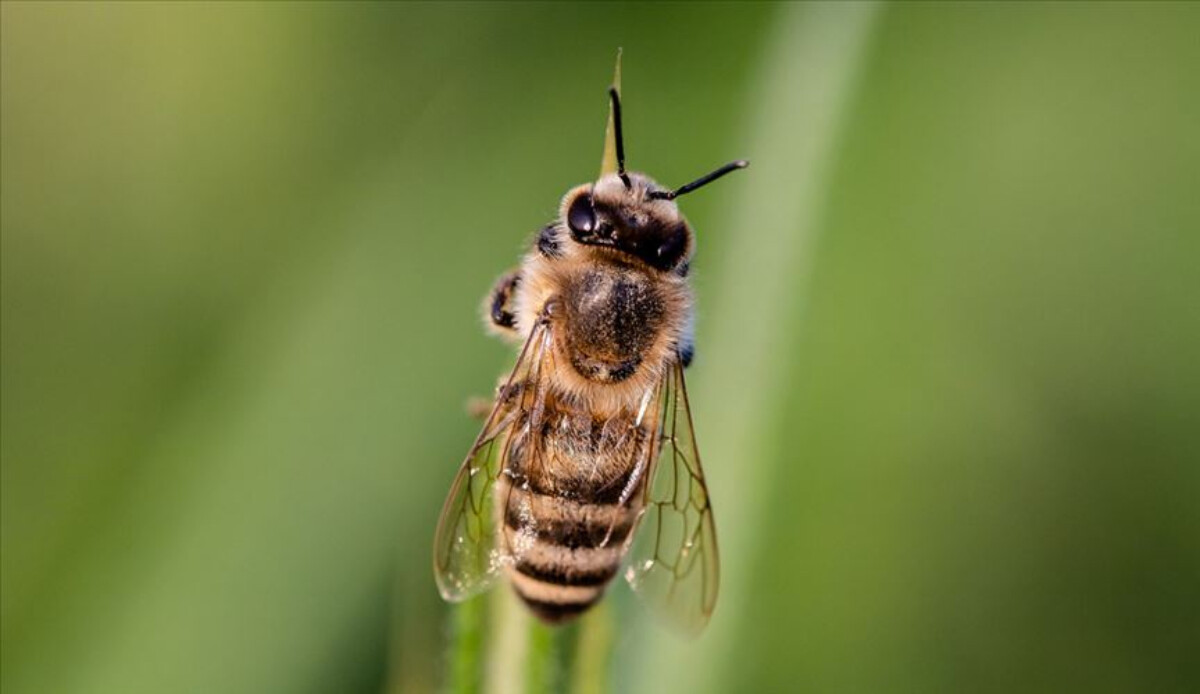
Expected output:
(673, 562)
(467, 555)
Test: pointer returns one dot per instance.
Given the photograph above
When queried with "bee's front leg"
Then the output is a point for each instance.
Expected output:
(498, 304)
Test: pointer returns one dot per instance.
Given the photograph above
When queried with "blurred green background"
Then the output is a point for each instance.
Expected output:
(947, 384)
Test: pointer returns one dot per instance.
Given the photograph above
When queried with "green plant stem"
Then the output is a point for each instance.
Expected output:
(465, 653)
(593, 652)
(494, 646)
(544, 665)
(508, 643)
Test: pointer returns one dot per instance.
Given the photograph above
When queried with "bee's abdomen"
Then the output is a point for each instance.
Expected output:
(565, 550)
(566, 505)
(557, 591)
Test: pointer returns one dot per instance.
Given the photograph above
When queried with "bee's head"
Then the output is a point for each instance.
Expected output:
(607, 214)
(631, 213)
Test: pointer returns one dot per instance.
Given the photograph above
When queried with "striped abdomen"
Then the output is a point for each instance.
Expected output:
(563, 522)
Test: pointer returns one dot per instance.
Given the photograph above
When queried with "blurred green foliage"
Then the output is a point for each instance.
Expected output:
(947, 383)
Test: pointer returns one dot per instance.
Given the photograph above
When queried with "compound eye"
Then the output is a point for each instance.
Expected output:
(580, 217)
(671, 250)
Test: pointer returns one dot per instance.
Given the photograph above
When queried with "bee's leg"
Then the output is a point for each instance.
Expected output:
(547, 242)
(499, 303)
(687, 344)
(687, 351)
(479, 407)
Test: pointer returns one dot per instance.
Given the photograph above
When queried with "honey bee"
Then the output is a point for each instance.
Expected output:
(588, 456)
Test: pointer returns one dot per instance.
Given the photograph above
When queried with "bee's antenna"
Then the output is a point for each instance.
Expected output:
(702, 181)
(616, 112)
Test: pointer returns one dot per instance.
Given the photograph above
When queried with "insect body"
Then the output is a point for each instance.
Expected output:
(588, 456)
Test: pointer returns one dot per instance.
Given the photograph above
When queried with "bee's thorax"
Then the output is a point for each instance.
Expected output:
(617, 322)
(611, 318)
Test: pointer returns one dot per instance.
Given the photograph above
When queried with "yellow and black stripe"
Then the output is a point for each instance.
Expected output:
(565, 550)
